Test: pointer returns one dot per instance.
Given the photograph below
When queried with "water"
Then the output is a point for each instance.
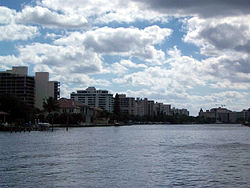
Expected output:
(135, 156)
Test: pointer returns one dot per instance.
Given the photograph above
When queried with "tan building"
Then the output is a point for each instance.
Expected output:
(45, 88)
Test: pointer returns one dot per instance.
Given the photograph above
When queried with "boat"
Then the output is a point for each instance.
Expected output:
(43, 126)
(117, 124)
(246, 123)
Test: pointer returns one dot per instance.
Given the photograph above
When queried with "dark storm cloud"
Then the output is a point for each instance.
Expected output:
(204, 8)
(226, 36)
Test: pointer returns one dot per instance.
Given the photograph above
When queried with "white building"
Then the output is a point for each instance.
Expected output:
(94, 98)
(45, 88)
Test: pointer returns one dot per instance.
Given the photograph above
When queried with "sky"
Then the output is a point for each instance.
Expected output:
(190, 54)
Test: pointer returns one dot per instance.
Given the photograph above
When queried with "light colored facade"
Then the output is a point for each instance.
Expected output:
(45, 88)
(94, 98)
(144, 107)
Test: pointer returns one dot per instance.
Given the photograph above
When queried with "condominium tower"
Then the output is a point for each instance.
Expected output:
(94, 98)
(17, 83)
(45, 88)
(32, 90)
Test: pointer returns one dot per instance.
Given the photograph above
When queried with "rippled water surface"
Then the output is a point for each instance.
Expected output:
(134, 156)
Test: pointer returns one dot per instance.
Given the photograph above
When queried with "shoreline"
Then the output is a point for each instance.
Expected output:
(54, 126)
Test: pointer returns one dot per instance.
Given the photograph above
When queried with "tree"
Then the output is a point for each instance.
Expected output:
(117, 104)
(17, 110)
(50, 105)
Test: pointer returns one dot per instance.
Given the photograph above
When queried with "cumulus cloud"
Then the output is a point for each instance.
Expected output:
(130, 64)
(6, 62)
(77, 60)
(10, 30)
(48, 18)
(181, 74)
(217, 35)
(211, 8)
(101, 12)
(71, 66)
(13, 32)
(225, 42)
(122, 41)
(6, 15)
(137, 57)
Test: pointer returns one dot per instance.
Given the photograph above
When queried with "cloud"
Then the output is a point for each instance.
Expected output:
(81, 34)
(77, 60)
(117, 68)
(73, 67)
(182, 74)
(130, 64)
(211, 8)
(122, 41)
(48, 18)
(6, 15)
(6, 62)
(13, 32)
(216, 36)
(225, 42)
(101, 12)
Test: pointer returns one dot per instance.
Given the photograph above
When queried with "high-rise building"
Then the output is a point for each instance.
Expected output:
(17, 83)
(45, 88)
(177, 111)
(151, 108)
(158, 108)
(141, 107)
(94, 98)
(167, 109)
(29, 89)
(127, 104)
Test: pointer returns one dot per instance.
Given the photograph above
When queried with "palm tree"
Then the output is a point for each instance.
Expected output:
(50, 105)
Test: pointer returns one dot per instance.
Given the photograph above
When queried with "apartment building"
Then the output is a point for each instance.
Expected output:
(45, 88)
(17, 83)
(31, 90)
(127, 104)
(94, 98)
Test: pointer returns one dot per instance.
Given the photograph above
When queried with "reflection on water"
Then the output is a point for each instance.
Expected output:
(135, 156)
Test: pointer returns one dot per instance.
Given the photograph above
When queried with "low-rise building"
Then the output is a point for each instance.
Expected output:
(68, 106)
